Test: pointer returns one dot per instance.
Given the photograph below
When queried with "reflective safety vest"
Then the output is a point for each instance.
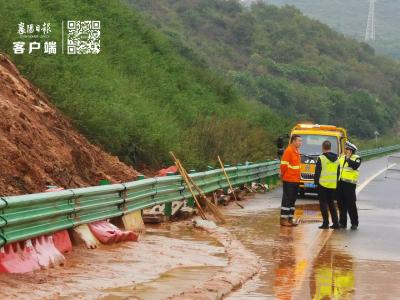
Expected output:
(290, 165)
(328, 177)
(347, 173)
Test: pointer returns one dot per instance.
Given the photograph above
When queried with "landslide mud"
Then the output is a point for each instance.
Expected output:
(39, 146)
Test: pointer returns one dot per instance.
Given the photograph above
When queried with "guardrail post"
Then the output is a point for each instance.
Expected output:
(275, 179)
(226, 189)
(168, 205)
(190, 200)
(140, 212)
(237, 172)
(268, 180)
(259, 179)
(249, 163)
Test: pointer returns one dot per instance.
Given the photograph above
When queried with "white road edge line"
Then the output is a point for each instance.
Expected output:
(366, 182)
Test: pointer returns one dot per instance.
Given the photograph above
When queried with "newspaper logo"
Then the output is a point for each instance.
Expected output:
(82, 37)
(30, 36)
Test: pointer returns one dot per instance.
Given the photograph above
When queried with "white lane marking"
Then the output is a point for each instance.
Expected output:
(366, 182)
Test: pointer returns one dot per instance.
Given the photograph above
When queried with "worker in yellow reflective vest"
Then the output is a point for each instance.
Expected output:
(348, 178)
(326, 177)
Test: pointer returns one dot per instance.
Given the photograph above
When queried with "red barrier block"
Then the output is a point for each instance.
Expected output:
(47, 253)
(108, 233)
(18, 257)
(30, 255)
(62, 241)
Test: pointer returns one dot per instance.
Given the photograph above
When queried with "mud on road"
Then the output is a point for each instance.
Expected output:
(115, 272)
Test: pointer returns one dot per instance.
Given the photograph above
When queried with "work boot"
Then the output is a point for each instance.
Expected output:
(294, 223)
(285, 222)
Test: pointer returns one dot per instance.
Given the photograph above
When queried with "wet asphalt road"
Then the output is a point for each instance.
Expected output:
(308, 263)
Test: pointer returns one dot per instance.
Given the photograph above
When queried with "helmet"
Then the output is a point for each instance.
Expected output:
(351, 146)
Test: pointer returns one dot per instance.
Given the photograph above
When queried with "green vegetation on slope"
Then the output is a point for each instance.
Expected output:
(350, 17)
(298, 66)
(144, 94)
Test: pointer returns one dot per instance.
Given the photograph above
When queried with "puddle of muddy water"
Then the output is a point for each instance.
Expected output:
(307, 263)
(285, 253)
(168, 284)
(292, 268)
(178, 279)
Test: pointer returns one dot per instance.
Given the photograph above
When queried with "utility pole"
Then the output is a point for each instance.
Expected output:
(370, 31)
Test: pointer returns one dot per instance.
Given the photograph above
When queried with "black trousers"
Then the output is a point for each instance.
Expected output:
(326, 200)
(289, 196)
(346, 199)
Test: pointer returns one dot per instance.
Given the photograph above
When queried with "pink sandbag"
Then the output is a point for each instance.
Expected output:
(108, 233)
(163, 172)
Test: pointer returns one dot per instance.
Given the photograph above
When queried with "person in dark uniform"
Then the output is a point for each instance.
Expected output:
(348, 178)
(326, 178)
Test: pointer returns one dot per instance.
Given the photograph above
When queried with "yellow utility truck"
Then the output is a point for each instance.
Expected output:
(313, 135)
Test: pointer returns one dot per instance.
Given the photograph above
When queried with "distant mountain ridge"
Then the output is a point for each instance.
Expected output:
(298, 66)
(350, 17)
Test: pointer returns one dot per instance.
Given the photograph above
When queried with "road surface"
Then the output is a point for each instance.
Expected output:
(308, 263)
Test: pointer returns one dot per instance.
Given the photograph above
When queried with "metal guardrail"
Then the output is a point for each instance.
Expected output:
(378, 151)
(27, 216)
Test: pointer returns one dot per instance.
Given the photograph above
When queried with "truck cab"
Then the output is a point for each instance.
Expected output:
(313, 135)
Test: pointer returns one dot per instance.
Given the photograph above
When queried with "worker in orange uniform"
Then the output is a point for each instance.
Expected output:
(290, 176)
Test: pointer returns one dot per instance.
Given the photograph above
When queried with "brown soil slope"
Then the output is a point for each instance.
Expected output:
(39, 146)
